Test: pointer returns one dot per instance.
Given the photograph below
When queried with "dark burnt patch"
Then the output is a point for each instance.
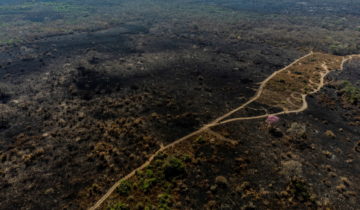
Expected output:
(70, 131)
(89, 82)
(47, 49)
(4, 96)
(4, 124)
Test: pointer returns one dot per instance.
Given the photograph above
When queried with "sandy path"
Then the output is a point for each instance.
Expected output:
(219, 120)
(260, 89)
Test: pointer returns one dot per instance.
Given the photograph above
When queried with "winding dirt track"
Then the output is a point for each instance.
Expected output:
(220, 120)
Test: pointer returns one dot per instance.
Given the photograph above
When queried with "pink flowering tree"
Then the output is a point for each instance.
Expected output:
(272, 119)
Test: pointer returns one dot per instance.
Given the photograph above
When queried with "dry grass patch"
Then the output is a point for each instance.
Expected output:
(286, 88)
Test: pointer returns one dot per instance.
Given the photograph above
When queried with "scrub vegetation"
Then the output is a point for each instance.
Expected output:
(99, 94)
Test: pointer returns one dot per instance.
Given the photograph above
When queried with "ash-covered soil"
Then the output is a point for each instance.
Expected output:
(80, 111)
(308, 160)
(80, 108)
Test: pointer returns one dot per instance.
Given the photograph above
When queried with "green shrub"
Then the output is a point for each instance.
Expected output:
(120, 206)
(186, 158)
(200, 140)
(165, 201)
(149, 173)
(124, 188)
(173, 167)
(147, 183)
(351, 92)
(160, 172)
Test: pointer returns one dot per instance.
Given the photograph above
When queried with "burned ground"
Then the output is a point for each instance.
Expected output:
(82, 108)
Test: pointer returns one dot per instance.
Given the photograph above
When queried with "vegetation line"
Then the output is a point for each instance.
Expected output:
(219, 121)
